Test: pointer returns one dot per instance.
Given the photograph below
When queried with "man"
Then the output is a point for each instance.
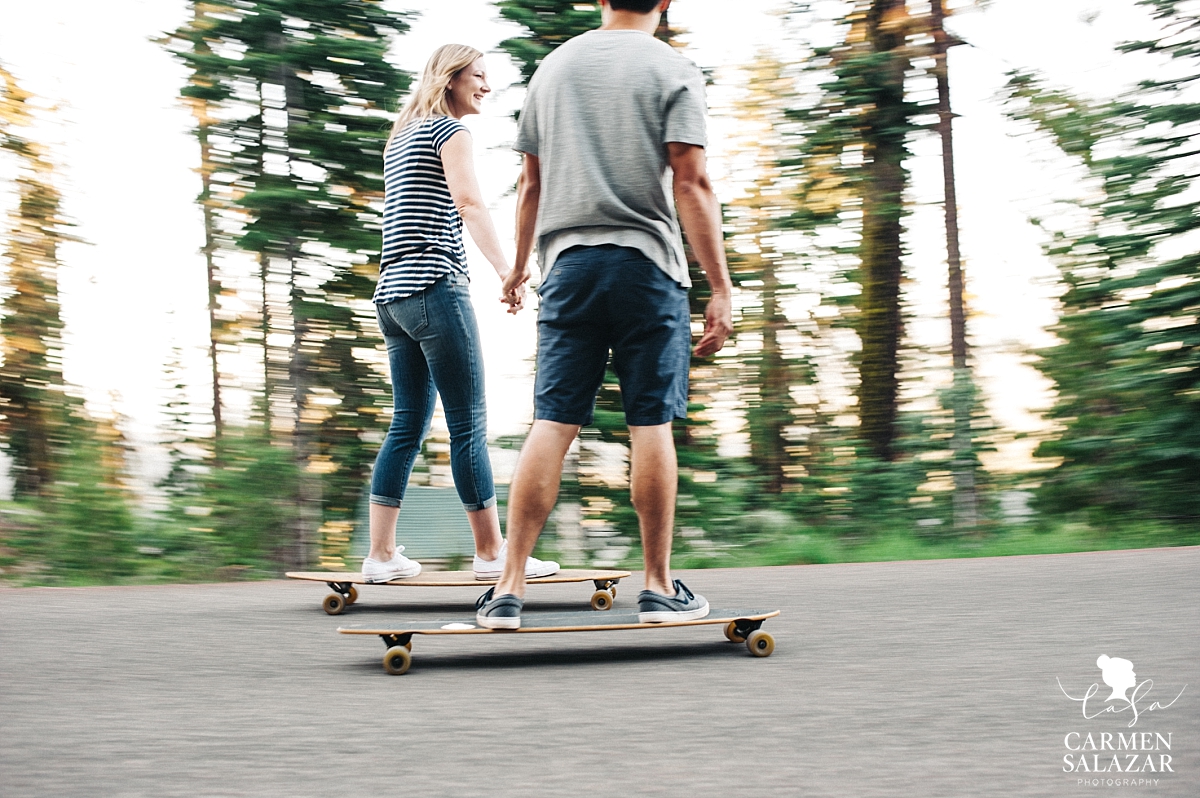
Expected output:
(606, 114)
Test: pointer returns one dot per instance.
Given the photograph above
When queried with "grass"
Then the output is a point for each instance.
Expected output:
(28, 552)
(810, 547)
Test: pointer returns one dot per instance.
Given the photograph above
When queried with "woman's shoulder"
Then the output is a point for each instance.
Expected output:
(439, 124)
(424, 133)
(441, 128)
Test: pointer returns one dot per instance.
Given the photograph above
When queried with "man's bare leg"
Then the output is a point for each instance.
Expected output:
(653, 484)
(531, 497)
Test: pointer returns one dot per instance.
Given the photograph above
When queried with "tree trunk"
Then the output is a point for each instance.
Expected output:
(200, 111)
(880, 251)
(773, 385)
(308, 513)
(966, 512)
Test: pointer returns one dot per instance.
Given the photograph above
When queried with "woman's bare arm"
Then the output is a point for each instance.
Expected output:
(459, 166)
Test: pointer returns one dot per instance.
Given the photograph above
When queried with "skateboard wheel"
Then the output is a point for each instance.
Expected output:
(397, 659)
(613, 590)
(334, 604)
(351, 596)
(760, 643)
(731, 633)
(602, 600)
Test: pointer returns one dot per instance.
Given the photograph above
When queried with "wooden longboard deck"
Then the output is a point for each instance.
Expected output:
(452, 578)
(555, 622)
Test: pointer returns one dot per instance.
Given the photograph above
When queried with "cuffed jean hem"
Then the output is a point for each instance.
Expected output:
(386, 501)
(483, 505)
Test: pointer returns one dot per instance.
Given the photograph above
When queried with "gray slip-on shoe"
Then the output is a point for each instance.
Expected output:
(501, 612)
(684, 606)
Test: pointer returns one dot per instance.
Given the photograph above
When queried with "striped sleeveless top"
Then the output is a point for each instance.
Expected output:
(422, 230)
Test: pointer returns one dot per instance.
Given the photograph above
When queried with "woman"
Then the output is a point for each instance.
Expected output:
(424, 308)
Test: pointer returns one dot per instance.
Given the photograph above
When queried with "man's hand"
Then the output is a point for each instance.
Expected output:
(512, 290)
(529, 189)
(718, 324)
(700, 214)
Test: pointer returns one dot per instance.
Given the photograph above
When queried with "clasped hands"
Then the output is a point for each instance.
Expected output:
(512, 289)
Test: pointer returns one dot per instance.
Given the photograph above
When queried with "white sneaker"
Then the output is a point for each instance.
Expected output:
(491, 569)
(396, 568)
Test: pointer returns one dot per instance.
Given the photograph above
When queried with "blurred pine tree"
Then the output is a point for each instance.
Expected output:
(297, 98)
(1128, 368)
(36, 410)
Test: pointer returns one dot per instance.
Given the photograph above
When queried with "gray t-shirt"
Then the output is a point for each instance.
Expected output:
(599, 113)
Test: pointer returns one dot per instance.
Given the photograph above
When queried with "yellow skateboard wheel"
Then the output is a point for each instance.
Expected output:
(602, 600)
(397, 659)
(352, 596)
(334, 604)
(760, 643)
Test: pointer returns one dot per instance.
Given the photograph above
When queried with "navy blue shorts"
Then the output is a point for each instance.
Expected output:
(603, 298)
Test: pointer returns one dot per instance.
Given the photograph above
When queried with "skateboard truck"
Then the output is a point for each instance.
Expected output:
(746, 630)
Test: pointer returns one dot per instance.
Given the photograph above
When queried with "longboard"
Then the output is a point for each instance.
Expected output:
(740, 626)
(345, 593)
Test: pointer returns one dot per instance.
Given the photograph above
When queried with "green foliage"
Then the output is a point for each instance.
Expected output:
(853, 152)
(244, 504)
(77, 529)
(547, 24)
(299, 96)
(1127, 367)
(35, 408)
(801, 545)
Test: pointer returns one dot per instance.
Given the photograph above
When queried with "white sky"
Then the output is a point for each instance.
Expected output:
(136, 288)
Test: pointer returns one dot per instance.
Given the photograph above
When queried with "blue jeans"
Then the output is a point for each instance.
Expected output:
(433, 348)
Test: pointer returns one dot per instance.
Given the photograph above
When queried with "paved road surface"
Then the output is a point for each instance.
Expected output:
(890, 679)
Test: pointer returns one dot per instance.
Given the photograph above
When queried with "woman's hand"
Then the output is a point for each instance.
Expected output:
(512, 290)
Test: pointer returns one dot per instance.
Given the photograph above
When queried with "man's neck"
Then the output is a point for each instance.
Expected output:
(629, 20)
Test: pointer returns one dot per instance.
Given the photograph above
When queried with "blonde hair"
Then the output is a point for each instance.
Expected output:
(429, 98)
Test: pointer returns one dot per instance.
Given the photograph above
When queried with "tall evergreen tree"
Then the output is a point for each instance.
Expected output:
(966, 510)
(305, 93)
(547, 24)
(1128, 368)
(203, 95)
(68, 467)
(856, 144)
(32, 398)
(765, 272)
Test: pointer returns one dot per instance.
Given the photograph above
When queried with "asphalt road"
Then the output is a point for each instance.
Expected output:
(890, 679)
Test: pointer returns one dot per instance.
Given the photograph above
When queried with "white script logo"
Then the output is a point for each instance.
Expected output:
(1118, 674)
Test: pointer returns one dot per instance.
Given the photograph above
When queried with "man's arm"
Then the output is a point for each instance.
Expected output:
(529, 193)
(700, 214)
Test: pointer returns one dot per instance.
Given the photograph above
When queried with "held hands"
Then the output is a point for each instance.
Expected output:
(512, 290)
(718, 324)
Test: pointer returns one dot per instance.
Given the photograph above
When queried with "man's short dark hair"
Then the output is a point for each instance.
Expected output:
(637, 6)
